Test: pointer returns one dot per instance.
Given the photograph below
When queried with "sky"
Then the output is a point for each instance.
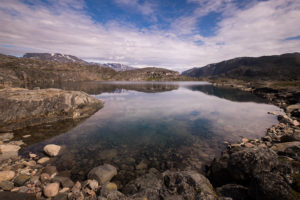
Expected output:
(174, 34)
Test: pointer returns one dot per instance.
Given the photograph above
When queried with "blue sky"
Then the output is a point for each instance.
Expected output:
(176, 34)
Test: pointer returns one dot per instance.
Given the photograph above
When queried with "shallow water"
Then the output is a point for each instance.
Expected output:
(147, 126)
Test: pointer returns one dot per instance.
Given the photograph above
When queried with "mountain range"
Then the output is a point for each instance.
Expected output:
(63, 58)
(276, 67)
(39, 69)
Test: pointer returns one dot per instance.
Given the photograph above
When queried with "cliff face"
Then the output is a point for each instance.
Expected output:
(20, 108)
(282, 67)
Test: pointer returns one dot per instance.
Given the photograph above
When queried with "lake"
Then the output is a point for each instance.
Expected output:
(152, 126)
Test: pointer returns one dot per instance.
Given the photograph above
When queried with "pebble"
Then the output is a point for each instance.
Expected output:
(32, 155)
(52, 150)
(43, 160)
(51, 189)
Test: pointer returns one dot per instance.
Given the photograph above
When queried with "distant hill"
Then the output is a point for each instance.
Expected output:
(277, 67)
(118, 66)
(23, 72)
(149, 74)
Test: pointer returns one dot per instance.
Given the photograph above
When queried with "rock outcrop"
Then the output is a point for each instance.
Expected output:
(21, 107)
(254, 173)
(171, 185)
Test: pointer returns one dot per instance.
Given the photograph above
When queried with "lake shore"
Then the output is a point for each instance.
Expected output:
(275, 155)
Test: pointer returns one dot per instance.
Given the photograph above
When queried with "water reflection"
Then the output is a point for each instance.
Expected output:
(179, 126)
(100, 87)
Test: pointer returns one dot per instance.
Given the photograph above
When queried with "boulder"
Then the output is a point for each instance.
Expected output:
(171, 185)
(20, 108)
(6, 175)
(242, 165)
(103, 173)
(52, 150)
(51, 189)
(259, 169)
(269, 185)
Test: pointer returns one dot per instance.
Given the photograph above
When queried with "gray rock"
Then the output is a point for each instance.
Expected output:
(270, 185)
(241, 165)
(103, 173)
(6, 185)
(33, 107)
(257, 168)
(21, 179)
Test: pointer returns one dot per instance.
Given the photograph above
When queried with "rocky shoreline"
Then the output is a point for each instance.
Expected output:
(266, 168)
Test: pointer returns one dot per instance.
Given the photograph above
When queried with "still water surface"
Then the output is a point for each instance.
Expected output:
(153, 126)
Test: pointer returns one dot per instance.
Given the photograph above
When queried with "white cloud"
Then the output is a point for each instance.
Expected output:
(259, 29)
(145, 8)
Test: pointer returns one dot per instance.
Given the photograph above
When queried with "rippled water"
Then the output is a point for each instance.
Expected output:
(153, 126)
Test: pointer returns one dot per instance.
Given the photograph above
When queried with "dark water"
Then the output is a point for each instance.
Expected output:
(142, 126)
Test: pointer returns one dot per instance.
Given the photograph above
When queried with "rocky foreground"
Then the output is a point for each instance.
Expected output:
(21, 107)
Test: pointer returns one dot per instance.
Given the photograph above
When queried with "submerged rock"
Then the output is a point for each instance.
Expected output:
(21, 107)
(103, 173)
(52, 150)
